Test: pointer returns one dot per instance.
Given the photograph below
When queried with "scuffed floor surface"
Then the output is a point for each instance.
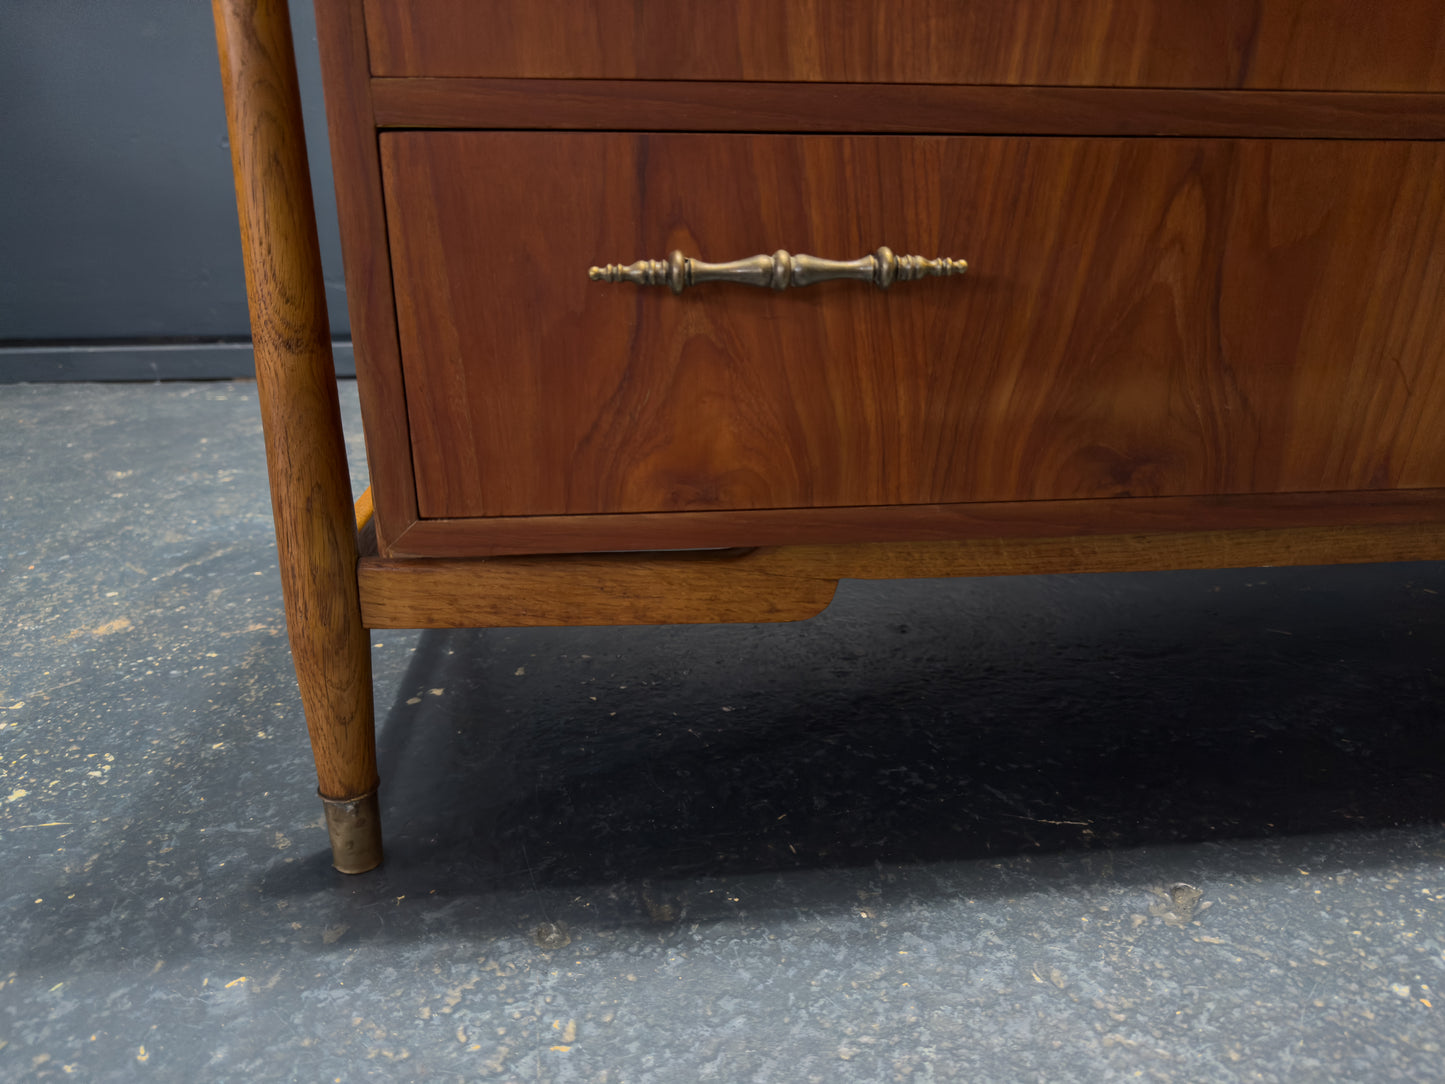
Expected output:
(1169, 827)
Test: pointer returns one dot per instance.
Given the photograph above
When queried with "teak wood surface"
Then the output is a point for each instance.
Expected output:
(1142, 318)
(1340, 58)
(504, 535)
(341, 34)
(301, 417)
(1390, 45)
(792, 583)
(650, 105)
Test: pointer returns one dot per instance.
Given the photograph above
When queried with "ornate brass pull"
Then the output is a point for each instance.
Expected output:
(778, 271)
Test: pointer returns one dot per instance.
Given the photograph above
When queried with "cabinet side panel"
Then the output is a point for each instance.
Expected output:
(342, 36)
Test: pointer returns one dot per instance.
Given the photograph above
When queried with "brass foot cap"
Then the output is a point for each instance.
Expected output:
(355, 829)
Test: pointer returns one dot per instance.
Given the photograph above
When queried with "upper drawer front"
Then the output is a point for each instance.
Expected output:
(1146, 317)
(1364, 45)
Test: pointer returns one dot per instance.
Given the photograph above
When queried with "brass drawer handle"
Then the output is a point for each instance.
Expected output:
(778, 271)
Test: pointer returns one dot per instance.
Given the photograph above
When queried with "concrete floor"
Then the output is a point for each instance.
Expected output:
(1172, 827)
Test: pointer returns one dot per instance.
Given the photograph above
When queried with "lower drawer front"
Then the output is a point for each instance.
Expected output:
(1142, 317)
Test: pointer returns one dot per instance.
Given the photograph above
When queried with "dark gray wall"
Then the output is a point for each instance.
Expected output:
(117, 212)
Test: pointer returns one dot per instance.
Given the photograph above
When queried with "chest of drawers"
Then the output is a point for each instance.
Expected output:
(1201, 325)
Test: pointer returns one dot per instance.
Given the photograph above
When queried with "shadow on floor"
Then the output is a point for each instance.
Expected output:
(921, 723)
(979, 738)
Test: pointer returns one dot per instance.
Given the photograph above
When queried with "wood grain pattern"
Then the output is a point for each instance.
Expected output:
(908, 523)
(341, 34)
(590, 589)
(296, 385)
(1144, 318)
(794, 582)
(621, 105)
(1389, 45)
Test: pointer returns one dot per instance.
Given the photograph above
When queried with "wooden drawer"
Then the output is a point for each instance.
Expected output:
(1382, 45)
(1142, 318)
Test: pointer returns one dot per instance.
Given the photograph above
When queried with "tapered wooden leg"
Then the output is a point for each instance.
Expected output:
(305, 452)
